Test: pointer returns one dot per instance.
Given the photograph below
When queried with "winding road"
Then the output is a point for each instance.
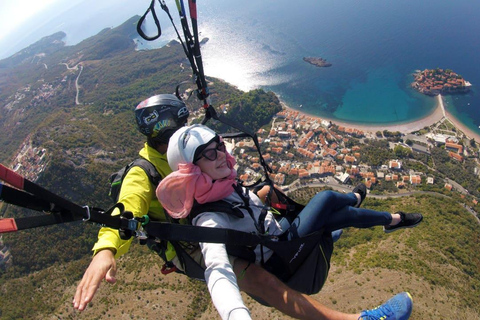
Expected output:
(77, 86)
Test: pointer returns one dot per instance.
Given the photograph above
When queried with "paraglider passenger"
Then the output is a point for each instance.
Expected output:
(204, 172)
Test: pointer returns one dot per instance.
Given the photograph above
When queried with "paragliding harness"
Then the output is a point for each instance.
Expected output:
(116, 179)
(302, 263)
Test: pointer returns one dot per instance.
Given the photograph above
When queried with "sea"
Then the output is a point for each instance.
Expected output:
(374, 47)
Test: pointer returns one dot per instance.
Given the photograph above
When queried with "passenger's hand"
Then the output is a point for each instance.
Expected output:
(102, 266)
(263, 193)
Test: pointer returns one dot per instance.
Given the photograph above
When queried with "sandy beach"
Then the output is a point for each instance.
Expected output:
(438, 114)
(460, 126)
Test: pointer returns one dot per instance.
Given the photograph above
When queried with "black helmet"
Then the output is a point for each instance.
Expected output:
(160, 116)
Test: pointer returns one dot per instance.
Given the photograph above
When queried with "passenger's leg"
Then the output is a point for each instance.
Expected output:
(264, 285)
(333, 210)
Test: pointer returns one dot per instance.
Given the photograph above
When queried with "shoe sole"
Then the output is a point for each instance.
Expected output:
(411, 304)
(404, 227)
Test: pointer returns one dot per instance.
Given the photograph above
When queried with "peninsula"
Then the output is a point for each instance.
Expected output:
(437, 81)
(319, 62)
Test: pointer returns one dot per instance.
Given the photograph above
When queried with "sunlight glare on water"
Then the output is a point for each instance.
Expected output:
(237, 59)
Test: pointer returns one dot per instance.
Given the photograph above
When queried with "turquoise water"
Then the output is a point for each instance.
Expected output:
(374, 47)
(382, 98)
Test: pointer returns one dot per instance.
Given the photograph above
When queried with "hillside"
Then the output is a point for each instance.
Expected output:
(436, 263)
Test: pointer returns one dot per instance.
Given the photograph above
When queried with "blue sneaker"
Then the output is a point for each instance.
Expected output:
(397, 308)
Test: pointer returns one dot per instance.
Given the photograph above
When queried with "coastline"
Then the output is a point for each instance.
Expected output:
(460, 126)
(438, 114)
(406, 127)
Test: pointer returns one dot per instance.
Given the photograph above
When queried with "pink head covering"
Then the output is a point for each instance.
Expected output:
(187, 182)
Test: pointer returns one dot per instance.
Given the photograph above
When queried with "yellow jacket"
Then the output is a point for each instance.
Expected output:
(138, 196)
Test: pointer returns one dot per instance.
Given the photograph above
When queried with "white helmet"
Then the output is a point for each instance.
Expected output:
(184, 144)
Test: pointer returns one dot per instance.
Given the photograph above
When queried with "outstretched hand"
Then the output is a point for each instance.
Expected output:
(102, 266)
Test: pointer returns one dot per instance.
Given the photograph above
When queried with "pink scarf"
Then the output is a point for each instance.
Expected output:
(177, 191)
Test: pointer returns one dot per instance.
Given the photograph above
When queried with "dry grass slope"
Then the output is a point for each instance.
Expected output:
(435, 262)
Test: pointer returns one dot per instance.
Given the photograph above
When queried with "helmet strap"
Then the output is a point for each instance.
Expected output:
(156, 143)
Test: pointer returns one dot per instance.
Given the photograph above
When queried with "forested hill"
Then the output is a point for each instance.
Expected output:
(90, 134)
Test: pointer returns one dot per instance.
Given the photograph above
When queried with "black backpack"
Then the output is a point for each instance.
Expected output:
(116, 179)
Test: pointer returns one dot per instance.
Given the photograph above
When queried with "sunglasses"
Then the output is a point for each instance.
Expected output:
(212, 153)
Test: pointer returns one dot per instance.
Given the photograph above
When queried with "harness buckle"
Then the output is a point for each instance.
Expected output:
(88, 213)
(132, 224)
(237, 205)
(129, 225)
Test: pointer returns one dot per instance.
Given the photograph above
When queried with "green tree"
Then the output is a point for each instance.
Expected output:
(402, 152)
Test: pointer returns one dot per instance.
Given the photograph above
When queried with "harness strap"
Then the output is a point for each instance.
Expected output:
(220, 205)
(292, 252)
(260, 224)
(23, 199)
(21, 183)
(189, 233)
(151, 8)
(62, 210)
(246, 205)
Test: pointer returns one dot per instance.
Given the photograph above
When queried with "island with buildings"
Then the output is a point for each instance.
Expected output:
(437, 81)
(319, 62)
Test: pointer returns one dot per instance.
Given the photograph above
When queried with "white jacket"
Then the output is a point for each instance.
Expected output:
(219, 275)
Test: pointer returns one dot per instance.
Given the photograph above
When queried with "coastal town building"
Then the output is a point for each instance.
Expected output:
(454, 147)
(420, 148)
(322, 151)
(415, 179)
(343, 177)
(441, 139)
(395, 164)
(455, 156)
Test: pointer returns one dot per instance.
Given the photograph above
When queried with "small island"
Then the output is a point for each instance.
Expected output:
(319, 62)
(437, 81)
